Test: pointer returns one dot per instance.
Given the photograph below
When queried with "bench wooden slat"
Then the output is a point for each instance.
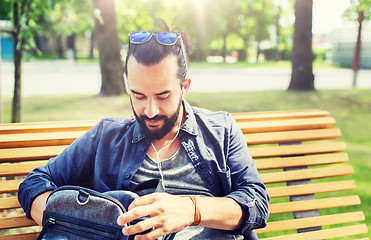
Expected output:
(312, 222)
(46, 127)
(43, 153)
(256, 116)
(16, 222)
(292, 136)
(9, 203)
(312, 188)
(18, 169)
(23, 236)
(325, 234)
(306, 174)
(314, 204)
(65, 138)
(287, 125)
(38, 139)
(10, 186)
(32, 153)
(300, 161)
(295, 150)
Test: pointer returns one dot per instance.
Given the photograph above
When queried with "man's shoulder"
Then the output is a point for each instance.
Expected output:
(215, 117)
(117, 122)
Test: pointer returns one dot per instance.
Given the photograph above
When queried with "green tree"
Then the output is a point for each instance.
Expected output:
(360, 11)
(25, 12)
(302, 77)
(109, 46)
(255, 20)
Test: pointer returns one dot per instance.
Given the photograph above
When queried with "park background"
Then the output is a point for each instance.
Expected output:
(241, 62)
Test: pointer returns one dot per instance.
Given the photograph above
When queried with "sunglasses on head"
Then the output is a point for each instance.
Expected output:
(163, 38)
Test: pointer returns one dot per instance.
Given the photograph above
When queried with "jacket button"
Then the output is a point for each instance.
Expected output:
(127, 175)
(142, 149)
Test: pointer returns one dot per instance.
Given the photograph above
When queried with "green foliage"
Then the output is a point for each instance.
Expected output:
(358, 6)
(5, 9)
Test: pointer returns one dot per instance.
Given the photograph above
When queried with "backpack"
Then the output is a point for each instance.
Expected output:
(80, 213)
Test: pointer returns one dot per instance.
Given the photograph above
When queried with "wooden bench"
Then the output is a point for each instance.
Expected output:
(296, 153)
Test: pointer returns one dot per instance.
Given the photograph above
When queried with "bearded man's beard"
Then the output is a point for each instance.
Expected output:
(169, 123)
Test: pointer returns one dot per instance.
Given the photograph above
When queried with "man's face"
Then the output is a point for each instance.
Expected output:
(155, 94)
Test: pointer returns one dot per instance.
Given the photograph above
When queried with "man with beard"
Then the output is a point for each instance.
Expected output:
(210, 186)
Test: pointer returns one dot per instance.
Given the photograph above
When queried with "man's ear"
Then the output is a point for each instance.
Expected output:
(186, 85)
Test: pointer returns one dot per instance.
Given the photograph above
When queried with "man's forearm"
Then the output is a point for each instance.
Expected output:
(38, 207)
(220, 213)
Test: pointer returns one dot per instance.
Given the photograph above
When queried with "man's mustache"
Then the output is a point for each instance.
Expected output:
(155, 118)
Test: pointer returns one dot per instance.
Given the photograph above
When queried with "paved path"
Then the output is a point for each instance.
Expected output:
(64, 77)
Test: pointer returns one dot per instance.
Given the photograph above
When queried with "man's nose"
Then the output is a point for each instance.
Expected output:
(151, 109)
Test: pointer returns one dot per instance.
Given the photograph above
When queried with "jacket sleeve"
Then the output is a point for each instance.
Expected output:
(72, 166)
(247, 187)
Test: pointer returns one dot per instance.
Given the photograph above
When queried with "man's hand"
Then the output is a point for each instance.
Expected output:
(167, 214)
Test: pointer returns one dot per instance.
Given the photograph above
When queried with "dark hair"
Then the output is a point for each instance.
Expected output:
(152, 52)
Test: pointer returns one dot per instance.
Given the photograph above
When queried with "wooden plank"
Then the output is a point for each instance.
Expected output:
(266, 115)
(10, 186)
(294, 150)
(23, 236)
(19, 169)
(312, 188)
(315, 204)
(16, 222)
(301, 161)
(312, 173)
(16, 128)
(287, 125)
(292, 136)
(9, 203)
(26, 154)
(38, 139)
(324, 234)
(312, 222)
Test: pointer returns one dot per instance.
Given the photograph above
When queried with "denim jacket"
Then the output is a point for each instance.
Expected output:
(109, 154)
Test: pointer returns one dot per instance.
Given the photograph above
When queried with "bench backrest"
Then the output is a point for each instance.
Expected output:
(296, 153)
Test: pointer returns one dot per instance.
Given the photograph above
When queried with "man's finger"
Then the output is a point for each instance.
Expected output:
(144, 200)
(142, 226)
(133, 214)
(154, 234)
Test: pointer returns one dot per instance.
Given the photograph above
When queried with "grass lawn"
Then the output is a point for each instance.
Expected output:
(351, 109)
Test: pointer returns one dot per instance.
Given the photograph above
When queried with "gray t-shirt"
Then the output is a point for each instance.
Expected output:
(179, 175)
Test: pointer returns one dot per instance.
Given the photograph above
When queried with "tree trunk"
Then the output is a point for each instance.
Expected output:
(357, 49)
(71, 45)
(91, 51)
(224, 48)
(278, 16)
(258, 51)
(108, 42)
(302, 77)
(60, 49)
(16, 104)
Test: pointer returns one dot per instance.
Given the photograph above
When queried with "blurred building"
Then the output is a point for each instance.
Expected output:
(6, 40)
(340, 44)
(344, 40)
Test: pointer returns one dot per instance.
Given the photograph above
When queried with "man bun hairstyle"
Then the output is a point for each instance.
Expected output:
(152, 52)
